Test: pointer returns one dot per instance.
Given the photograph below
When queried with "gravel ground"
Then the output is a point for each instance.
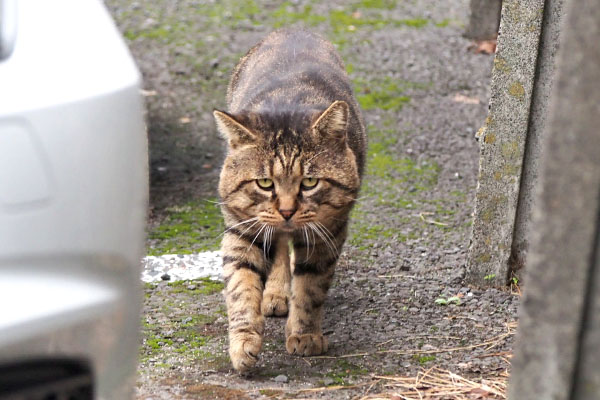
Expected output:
(398, 304)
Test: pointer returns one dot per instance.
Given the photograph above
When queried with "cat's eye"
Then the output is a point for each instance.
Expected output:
(309, 183)
(265, 183)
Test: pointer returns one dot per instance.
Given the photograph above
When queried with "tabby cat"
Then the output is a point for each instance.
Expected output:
(296, 151)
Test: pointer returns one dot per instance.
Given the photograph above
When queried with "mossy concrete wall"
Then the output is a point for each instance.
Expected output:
(509, 140)
(538, 115)
(557, 352)
(484, 19)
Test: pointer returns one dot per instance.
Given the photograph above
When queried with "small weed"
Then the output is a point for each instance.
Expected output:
(441, 301)
(489, 277)
(423, 359)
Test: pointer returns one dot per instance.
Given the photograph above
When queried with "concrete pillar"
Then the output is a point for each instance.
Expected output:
(557, 352)
(484, 19)
(509, 140)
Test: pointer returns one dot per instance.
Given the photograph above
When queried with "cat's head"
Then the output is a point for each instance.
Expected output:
(288, 169)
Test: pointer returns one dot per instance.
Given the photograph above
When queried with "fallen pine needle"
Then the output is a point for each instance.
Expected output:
(435, 383)
(488, 344)
(430, 221)
(330, 388)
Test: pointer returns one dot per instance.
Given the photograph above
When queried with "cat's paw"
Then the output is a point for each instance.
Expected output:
(307, 344)
(274, 305)
(243, 350)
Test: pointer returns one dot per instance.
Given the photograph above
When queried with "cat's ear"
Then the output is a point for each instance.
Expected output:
(236, 134)
(332, 124)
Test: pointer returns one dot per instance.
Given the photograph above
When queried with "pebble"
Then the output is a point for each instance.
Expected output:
(165, 277)
(281, 379)
(327, 381)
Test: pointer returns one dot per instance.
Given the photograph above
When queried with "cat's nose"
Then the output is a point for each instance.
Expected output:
(287, 214)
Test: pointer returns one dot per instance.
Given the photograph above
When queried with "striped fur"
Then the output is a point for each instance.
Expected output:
(292, 116)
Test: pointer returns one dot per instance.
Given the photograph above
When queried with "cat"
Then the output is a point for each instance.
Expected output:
(296, 153)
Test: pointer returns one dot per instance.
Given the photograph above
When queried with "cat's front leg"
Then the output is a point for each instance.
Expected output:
(312, 275)
(245, 272)
(277, 289)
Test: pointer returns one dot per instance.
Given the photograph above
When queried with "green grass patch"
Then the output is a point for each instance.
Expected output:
(156, 342)
(188, 229)
(285, 15)
(380, 4)
(383, 100)
(423, 359)
(362, 233)
(443, 23)
(344, 371)
(422, 176)
(413, 22)
(385, 94)
(156, 33)
(231, 12)
(348, 21)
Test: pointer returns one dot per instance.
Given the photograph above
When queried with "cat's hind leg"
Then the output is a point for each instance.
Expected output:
(277, 289)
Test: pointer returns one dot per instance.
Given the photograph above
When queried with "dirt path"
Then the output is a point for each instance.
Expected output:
(424, 96)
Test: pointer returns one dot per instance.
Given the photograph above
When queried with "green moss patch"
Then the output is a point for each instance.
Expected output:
(186, 229)
(344, 372)
(201, 286)
(172, 330)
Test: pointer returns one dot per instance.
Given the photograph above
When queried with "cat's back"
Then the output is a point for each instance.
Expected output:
(286, 66)
(299, 73)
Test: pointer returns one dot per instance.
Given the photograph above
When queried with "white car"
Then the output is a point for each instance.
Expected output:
(73, 199)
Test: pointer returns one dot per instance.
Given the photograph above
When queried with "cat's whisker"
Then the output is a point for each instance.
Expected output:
(246, 230)
(268, 236)
(314, 242)
(328, 234)
(306, 240)
(314, 239)
(364, 197)
(238, 224)
(220, 203)
(316, 155)
(323, 237)
(256, 237)
(324, 228)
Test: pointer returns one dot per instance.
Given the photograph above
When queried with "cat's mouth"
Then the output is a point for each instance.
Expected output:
(288, 226)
